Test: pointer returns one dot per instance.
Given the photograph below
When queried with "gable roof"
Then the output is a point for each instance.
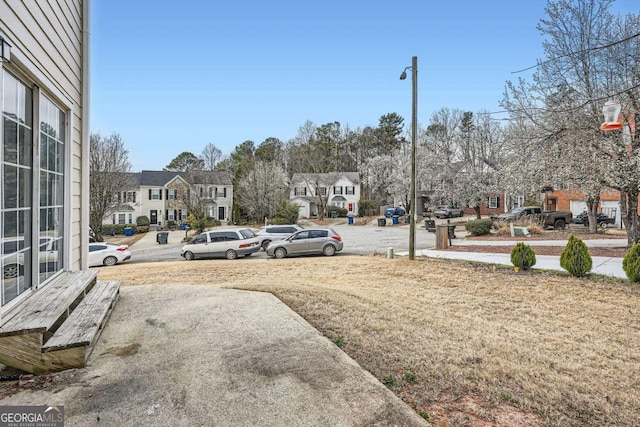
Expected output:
(161, 178)
(327, 178)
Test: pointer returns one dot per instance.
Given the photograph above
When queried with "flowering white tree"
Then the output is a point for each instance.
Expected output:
(592, 56)
(262, 189)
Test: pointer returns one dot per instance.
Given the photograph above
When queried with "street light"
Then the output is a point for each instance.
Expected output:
(414, 127)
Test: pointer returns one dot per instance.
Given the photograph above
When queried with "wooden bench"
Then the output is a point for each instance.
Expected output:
(87, 320)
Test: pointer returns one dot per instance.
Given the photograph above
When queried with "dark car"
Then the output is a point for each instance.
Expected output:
(394, 211)
(603, 220)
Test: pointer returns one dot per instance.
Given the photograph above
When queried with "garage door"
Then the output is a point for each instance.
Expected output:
(577, 207)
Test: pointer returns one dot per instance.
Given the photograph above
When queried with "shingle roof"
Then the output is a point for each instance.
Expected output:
(328, 178)
(161, 178)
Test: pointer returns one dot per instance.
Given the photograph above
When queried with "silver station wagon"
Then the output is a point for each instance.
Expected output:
(229, 243)
(306, 242)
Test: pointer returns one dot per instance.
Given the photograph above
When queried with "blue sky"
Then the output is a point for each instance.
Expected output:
(174, 76)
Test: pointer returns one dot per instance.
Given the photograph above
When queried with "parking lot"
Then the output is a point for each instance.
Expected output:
(358, 240)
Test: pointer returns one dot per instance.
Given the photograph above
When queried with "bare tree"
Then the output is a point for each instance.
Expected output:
(109, 175)
(211, 156)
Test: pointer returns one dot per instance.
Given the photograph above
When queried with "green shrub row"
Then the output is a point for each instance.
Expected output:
(575, 258)
(114, 229)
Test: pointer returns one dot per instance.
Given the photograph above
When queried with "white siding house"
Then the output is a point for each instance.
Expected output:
(44, 100)
(161, 195)
(312, 192)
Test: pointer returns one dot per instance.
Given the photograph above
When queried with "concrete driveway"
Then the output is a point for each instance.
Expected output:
(202, 356)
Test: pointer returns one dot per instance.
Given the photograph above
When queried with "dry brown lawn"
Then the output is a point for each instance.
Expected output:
(464, 344)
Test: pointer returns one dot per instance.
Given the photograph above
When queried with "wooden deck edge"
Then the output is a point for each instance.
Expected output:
(11, 326)
(77, 320)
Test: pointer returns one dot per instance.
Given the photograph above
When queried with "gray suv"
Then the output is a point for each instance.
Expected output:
(271, 233)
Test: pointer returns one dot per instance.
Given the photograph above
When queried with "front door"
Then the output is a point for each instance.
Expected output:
(552, 205)
(221, 215)
(153, 217)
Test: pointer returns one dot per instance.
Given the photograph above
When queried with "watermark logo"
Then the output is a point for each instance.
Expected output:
(32, 416)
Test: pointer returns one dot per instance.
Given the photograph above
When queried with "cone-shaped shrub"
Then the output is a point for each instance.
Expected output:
(631, 263)
(522, 256)
(575, 258)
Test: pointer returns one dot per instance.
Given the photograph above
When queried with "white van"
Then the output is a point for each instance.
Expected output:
(228, 243)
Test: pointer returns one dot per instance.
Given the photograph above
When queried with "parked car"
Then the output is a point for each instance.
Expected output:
(228, 243)
(447, 212)
(555, 219)
(603, 220)
(101, 253)
(272, 233)
(394, 211)
(305, 242)
(48, 255)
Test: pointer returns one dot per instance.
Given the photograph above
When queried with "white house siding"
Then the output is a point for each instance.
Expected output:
(47, 54)
(351, 202)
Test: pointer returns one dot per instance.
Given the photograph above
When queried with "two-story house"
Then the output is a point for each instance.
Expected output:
(313, 192)
(164, 196)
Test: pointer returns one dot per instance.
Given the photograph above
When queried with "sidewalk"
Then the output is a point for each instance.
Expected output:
(595, 243)
(607, 266)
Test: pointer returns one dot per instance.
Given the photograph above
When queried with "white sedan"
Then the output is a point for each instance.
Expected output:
(101, 253)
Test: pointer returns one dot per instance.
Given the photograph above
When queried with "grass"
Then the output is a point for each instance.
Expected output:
(484, 346)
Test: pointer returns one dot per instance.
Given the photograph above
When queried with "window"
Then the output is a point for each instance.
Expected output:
(131, 197)
(518, 201)
(155, 194)
(171, 194)
(300, 191)
(337, 190)
(30, 191)
(493, 202)
(322, 191)
(130, 219)
(350, 190)
(121, 218)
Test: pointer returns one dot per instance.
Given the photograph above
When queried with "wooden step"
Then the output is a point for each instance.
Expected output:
(49, 305)
(83, 327)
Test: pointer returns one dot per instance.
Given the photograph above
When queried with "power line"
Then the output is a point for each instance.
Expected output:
(592, 49)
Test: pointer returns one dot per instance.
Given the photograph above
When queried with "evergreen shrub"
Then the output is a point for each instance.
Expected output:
(575, 258)
(479, 227)
(522, 256)
(631, 263)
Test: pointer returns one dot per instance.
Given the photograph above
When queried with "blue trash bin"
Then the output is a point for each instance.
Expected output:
(395, 219)
(350, 221)
(128, 231)
(184, 226)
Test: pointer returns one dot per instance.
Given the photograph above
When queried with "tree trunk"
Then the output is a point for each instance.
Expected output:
(629, 214)
(592, 212)
(477, 209)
